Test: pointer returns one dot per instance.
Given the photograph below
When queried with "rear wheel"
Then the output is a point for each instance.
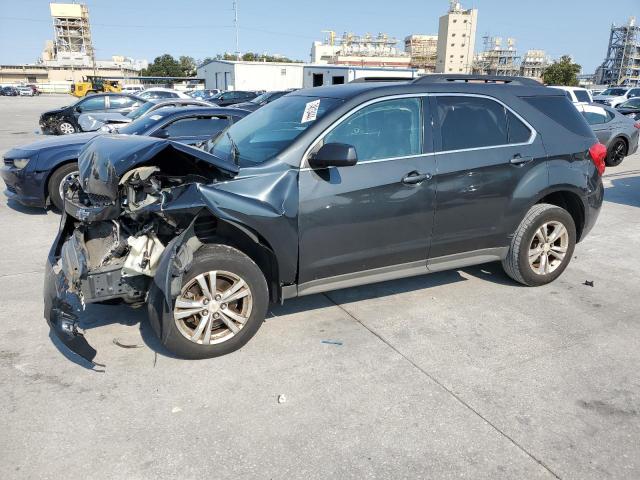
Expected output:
(57, 181)
(222, 303)
(66, 128)
(616, 153)
(542, 246)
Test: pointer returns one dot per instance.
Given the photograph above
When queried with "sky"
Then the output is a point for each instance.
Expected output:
(202, 28)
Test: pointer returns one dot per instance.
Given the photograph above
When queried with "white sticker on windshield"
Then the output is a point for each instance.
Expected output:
(310, 111)
(155, 117)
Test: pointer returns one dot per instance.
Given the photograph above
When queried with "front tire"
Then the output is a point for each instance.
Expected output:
(542, 246)
(222, 304)
(56, 182)
(66, 128)
(616, 153)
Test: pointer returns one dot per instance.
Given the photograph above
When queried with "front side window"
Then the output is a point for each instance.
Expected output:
(269, 130)
(92, 104)
(386, 129)
(471, 122)
(614, 92)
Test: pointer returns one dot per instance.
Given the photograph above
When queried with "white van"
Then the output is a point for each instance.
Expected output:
(133, 89)
(578, 95)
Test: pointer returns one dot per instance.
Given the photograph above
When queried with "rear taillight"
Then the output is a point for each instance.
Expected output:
(637, 125)
(598, 153)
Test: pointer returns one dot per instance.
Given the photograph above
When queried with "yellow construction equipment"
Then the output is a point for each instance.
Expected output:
(91, 85)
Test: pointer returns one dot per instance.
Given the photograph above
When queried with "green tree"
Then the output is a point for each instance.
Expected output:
(188, 66)
(164, 66)
(562, 72)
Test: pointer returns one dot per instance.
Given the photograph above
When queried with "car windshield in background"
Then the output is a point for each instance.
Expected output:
(142, 124)
(614, 92)
(634, 103)
(138, 112)
(267, 132)
(265, 97)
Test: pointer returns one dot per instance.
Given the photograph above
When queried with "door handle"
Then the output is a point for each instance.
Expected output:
(520, 160)
(414, 178)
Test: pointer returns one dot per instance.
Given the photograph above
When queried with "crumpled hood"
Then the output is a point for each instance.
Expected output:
(90, 122)
(55, 111)
(105, 159)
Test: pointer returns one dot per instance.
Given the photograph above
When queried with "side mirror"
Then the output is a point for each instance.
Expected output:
(79, 109)
(161, 134)
(334, 155)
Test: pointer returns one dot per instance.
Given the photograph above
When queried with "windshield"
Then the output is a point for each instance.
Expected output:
(614, 92)
(267, 132)
(634, 103)
(138, 112)
(263, 98)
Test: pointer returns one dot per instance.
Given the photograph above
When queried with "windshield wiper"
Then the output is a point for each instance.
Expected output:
(235, 153)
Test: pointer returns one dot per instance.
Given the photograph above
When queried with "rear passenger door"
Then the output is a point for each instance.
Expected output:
(485, 154)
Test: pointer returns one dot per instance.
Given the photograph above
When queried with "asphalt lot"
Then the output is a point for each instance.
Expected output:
(461, 374)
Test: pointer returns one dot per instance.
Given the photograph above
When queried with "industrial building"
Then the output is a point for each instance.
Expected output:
(70, 55)
(622, 63)
(320, 75)
(423, 50)
(456, 39)
(534, 63)
(241, 75)
(365, 51)
(497, 58)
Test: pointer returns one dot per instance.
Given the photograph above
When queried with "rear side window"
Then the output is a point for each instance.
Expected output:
(471, 122)
(582, 96)
(188, 127)
(518, 131)
(562, 111)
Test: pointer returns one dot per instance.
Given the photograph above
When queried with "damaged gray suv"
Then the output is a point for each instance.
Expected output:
(322, 189)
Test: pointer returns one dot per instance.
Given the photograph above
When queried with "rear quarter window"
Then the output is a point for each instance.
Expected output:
(582, 96)
(560, 110)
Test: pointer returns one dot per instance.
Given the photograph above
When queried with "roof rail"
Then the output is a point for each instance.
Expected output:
(460, 78)
(381, 79)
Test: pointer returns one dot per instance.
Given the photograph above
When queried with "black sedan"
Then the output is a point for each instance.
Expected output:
(224, 99)
(64, 121)
(10, 92)
(261, 100)
(34, 173)
(630, 108)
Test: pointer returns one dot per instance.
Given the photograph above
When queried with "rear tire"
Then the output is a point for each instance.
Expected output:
(616, 153)
(542, 246)
(55, 183)
(203, 324)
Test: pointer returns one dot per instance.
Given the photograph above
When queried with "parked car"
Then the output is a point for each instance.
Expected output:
(133, 89)
(577, 95)
(204, 94)
(25, 91)
(160, 92)
(64, 121)
(110, 121)
(34, 89)
(34, 173)
(261, 100)
(630, 108)
(616, 95)
(324, 188)
(224, 99)
(617, 132)
(10, 91)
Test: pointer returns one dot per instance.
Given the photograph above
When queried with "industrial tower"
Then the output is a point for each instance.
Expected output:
(622, 64)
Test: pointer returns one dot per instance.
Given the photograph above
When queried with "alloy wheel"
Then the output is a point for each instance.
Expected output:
(618, 152)
(65, 180)
(66, 128)
(213, 307)
(548, 247)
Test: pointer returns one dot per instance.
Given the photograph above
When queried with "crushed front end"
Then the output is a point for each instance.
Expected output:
(115, 228)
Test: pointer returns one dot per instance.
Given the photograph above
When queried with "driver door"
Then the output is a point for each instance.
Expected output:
(371, 221)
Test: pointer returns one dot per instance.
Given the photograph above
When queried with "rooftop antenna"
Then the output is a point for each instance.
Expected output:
(235, 24)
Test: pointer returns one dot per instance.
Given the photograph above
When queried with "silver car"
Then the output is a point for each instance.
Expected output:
(108, 121)
(616, 131)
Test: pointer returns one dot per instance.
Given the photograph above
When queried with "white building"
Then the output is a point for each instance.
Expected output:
(456, 40)
(320, 75)
(240, 75)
